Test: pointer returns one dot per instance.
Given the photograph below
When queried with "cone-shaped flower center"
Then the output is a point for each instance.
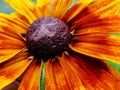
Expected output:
(47, 37)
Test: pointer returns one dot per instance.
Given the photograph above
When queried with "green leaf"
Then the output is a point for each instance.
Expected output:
(42, 79)
(114, 65)
(5, 8)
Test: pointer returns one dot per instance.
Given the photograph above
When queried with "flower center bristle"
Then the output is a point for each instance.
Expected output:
(47, 37)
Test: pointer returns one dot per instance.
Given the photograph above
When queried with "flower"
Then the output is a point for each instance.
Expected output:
(89, 27)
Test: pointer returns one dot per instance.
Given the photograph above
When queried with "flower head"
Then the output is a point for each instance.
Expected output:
(54, 46)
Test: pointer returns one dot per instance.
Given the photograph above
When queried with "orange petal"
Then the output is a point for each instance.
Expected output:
(45, 6)
(95, 11)
(50, 83)
(13, 25)
(19, 19)
(59, 7)
(99, 46)
(72, 78)
(56, 74)
(105, 7)
(77, 8)
(31, 79)
(7, 42)
(93, 73)
(9, 47)
(26, 8)
(6, 54)
(42, 3)
(16, 58)
(105, 25)
(10, 71)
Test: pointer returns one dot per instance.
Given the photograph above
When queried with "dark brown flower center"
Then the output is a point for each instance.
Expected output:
(47, 37)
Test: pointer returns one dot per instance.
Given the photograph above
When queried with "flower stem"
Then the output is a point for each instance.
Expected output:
(42, 79)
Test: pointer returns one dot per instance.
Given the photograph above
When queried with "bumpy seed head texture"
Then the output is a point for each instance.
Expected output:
(47, 37)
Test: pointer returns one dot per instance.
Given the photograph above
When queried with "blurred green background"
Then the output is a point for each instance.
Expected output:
(5, 8)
